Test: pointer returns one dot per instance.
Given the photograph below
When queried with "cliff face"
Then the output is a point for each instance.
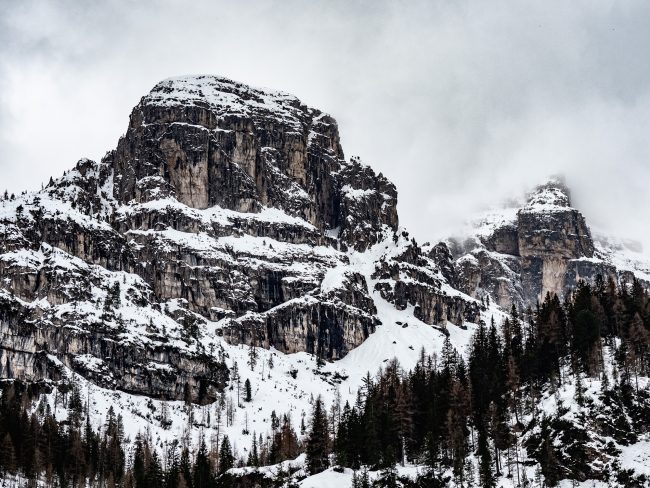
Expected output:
(210, 142)
(226, 211)
(518, 255)
(230, 213)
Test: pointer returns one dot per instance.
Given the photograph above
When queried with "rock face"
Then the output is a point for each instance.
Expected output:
(210, 141)
(225, 212)
(519, 255)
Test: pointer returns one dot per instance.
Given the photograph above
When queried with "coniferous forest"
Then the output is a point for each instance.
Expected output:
(465, 419)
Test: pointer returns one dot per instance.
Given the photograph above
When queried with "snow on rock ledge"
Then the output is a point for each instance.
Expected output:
(223, 210)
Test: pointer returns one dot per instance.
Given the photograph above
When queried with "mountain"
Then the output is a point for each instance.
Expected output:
(226, 266)
(225, 206)
(521, 253)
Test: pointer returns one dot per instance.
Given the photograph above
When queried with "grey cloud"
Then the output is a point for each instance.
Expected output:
(462, 104)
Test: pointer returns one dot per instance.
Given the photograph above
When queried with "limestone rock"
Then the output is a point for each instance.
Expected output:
(518, 255)
(225, 212)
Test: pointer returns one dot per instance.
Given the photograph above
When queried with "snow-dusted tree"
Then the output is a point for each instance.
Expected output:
(248, 394)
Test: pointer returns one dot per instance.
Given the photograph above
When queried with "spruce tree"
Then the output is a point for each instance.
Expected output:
(185, 468)
(139, 467)
(318, 441)
(226, 458)
(486, 474)
(154, 471)
(202, 475)
(247, 391)
(253, 457)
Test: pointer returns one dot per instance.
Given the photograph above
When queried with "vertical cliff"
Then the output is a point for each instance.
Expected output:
(518, 255)
(224, 211)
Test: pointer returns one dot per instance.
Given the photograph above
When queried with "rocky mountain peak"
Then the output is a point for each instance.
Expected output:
(226, 214)
(518, 255)
(223, 97)
(210, 141)
(206, 141)
(552, 195)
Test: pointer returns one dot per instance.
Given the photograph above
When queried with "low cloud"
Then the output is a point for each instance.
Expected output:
(461, 104)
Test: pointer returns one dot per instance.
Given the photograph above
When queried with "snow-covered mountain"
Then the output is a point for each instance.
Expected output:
(518, 254)
(226, 239)
(224, 210)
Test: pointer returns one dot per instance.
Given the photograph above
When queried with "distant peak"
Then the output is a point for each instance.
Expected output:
(553, 193)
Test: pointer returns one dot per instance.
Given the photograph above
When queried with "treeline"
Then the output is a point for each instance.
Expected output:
(35, 447)
(447, 410)
(462, 418)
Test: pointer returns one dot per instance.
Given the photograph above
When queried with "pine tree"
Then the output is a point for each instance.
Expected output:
(456, 428)
(289, 446)
(202, 470)
(499, 431)
(75, 406)
(275, 421)
(342, 439)
(247, 389)
(639, 348)
(154, 474)
(116, 295)
(185, 468)
(253, 458)
(252, 355)
(139, 467)
(486, 474)
(172, 474)
(549, 463)
(318, 441)
(226, 458)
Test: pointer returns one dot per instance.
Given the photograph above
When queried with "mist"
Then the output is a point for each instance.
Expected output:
(461, 104)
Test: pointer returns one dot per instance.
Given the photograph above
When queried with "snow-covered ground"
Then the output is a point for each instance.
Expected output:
(289, 386)
(289, 383)
(281, 383)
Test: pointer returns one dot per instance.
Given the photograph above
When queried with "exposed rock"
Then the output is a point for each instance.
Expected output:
(210, 141)
(520, 255)
(225, 210)
(444, 260)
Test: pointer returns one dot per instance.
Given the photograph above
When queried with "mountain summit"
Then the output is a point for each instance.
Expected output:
(518, 255)
(225, 210)
(225, 272)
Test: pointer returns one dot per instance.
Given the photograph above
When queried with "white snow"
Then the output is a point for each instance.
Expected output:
(224, 96)
(637, 457)
(216, 214)
(356, 193)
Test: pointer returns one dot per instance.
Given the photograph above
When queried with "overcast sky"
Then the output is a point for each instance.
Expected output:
(461, 104)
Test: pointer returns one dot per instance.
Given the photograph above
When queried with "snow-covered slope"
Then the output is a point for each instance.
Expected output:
(281, 383)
